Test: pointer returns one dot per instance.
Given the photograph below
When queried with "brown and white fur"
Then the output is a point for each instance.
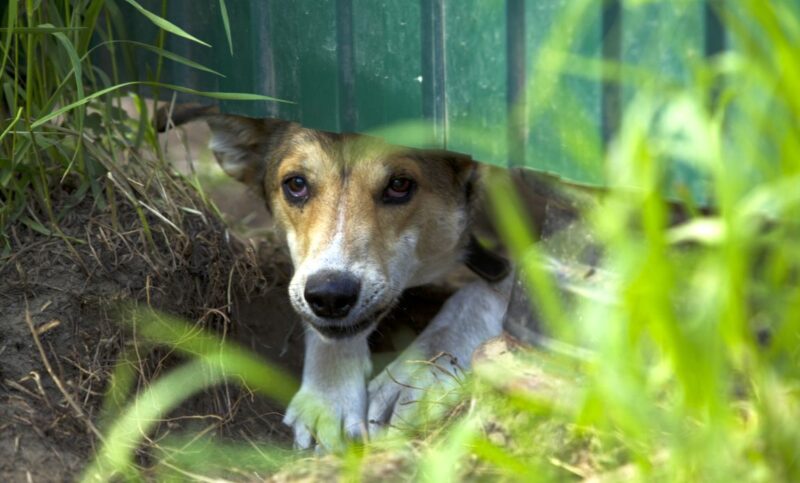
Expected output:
(363, 222)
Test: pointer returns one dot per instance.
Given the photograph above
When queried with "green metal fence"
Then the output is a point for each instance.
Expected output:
(472, 72)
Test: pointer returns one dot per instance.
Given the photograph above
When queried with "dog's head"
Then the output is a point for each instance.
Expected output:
(363, 220)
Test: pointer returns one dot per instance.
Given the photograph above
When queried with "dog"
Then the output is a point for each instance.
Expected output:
(365, 220)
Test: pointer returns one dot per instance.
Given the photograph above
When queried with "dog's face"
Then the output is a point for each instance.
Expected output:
(363, 220)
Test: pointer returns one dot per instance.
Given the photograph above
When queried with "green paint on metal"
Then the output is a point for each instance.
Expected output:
(316, 60)
(245, 68)
(667, 38)
(475, 86)
(663, 37)
(564, 135)
(203, 24)
(293, 50)
(388, 63)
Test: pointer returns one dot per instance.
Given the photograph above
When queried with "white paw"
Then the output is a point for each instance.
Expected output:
(327, 419)
(409, 392)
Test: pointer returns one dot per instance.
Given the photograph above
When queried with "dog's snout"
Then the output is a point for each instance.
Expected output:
(332, 294)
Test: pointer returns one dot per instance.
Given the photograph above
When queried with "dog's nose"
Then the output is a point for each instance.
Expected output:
(332, 294)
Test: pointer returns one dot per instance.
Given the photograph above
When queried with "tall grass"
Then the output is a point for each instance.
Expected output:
(691, 362)
(62, 126)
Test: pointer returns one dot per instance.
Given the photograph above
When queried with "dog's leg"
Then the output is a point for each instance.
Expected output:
(331, 404)
(434, 362)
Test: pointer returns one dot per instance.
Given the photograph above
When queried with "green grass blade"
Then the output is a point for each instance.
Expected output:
(164, 53)
(90, 21)
(227, 96)
(258, 374)
(11, 124)
(36, 226)
(42, 29)
(74, 60)
(226, 23)
(165, 24)
(214, 361)
(12, 19)
(163, 395)
(167, 54)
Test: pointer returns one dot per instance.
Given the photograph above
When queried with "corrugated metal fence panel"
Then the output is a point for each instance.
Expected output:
(244, 69)
(665, 39)
(204, 20)
(305, 32)
(284, 49)
(388, 74)
(475, 78)
(457, 67)
(564, 132)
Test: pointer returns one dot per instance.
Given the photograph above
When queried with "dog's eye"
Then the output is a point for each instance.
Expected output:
(296, 188)
(399, 190)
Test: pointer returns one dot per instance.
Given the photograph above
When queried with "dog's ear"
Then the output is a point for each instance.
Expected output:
(465, 170)
(467, 174)
(243, 146)
(483, 262)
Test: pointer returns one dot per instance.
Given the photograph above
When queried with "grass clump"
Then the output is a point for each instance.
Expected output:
(63, 126)
(694, 363)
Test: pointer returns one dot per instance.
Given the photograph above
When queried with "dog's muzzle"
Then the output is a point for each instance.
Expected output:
(331, 295)
(338, 331)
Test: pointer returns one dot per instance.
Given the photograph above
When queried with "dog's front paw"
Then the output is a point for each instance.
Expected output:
(411, 392)
(326, 419)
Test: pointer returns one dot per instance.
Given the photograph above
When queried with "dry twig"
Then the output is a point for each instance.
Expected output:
(75, 407)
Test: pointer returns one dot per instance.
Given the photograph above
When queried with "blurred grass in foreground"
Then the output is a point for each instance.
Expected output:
(695, 367)
(212, 361)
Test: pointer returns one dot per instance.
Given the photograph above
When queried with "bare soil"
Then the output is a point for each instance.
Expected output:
(70, 288)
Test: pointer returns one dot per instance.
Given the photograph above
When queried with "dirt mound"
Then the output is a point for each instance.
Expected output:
(59, 300)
